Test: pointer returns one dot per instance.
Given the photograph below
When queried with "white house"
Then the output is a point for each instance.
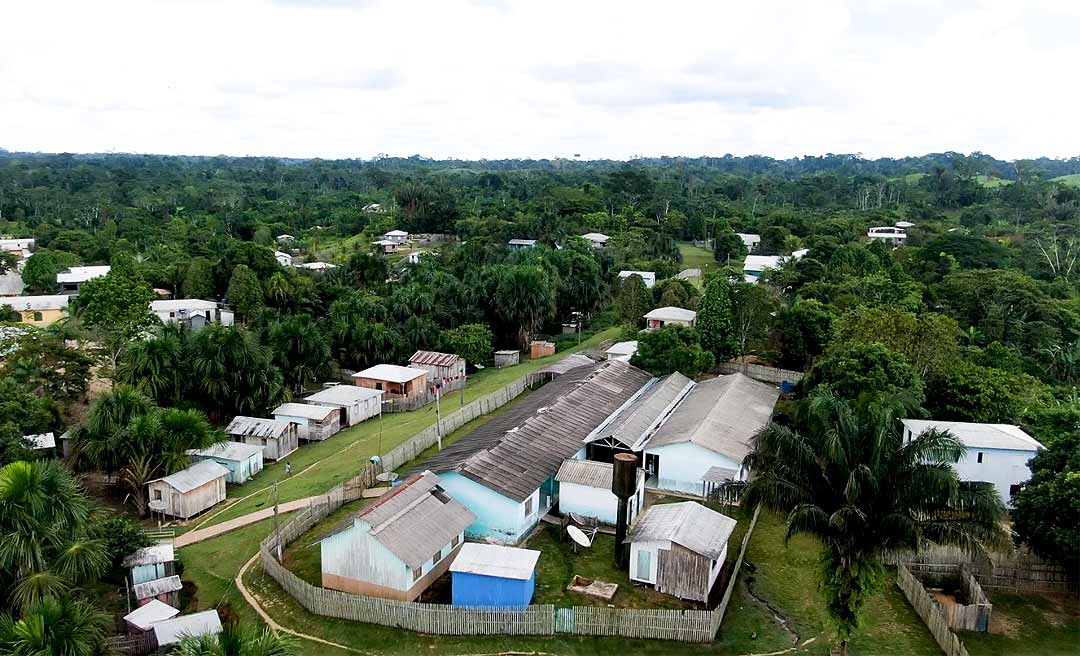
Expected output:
(284, 259)
(195, 313)
(21, 247)
(172, 631)
(648, 277)
(397, 236)
(585, 490)
(517, 244)
(396, 547)
(712, 426)
(285, 239)
(190, 491)
(749, 240)
(598, 239)
(316, 266)
(893, 236)
(670, 315)
(71, 280)
(621, 350)
(314, 423)
(994, 453)
(277, 438)
(679, 548)
(904, 224)
(387, 246)
(355, 404)
(755, 265)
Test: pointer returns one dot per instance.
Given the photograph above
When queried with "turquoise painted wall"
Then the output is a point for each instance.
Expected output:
(497, 517)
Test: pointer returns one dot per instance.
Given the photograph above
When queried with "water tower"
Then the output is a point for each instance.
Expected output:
(624, 486)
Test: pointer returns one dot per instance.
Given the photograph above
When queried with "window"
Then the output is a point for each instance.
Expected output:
(417, 573)
(157, 495)
(37, 316)
(455, 542)
(528, 506)
(437, 557)
(1014, 490)
(979, 459)
(644, 565)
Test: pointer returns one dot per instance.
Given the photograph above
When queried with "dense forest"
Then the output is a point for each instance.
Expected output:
(975, 318)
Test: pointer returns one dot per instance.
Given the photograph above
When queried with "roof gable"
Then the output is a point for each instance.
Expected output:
(688, 524)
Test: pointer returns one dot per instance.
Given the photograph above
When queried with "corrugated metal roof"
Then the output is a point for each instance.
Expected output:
(83, 273)
(41, 440)
(36, 303)
(183, 304)
(641, 416)
(687, 274)
(688, 524)
(257, 427)
(237, 451)
(586, 472)
(194, 476)
(416, 519)
(157, 587)
(572, 361)
(623, 348)
(391, 372)
(434, 358)
(671, 313)
(158, 553)
(305, 410)
(721, 414)
(720, 475)
(522, 459)
(343, 395)
(979, 436)
(495, 560)
(11, 284)
(197, 624)
(147, 615)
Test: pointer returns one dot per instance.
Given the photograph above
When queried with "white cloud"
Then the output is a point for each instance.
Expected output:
(499, 78)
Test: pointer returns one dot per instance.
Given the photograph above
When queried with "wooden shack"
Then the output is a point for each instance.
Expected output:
(242, 460)
(541, 349)
(507, 358)
(151, 563)
(441, 367)
(277, 438)
(355, 404)
(393, 380)
(166, 590)
(314, 423)
(189, 491)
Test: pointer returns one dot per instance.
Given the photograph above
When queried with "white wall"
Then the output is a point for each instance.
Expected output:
(1002, 467)
(598, 502)
(683, 465)
(354, 554)
(653, 548)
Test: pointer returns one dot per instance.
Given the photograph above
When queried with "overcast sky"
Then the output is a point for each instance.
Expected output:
(498, 78)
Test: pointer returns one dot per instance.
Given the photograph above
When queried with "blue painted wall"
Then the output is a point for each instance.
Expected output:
(478, 590)
(497, 517)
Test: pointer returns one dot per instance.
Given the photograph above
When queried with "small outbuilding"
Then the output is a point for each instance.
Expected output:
(679, 548)
(541, 349)
(277, 438)
(518, 244)
(314, 423)
(41, 442)
(598, 239)
(166, 590)
(151, 563)
(493, 575)
(398, 546)
(585, 490)
(195, 625)
(397, 236)
(242, 460)
(189, 491)
(621, 350)
(668, 316)
(354, 404)
(284, 259)
(394, 380)
(386, 246)
(440, 366)
(648, 277)
(507, 358)
(749, 240)
(143, 618)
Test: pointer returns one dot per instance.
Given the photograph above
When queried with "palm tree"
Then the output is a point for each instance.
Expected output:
(54, 626)
(846, 477)
(278, 289)
(156, 366)
(112, 413)
(45, 547)
(233, 641)
(233, 373)
(524, 298)
(300, 351)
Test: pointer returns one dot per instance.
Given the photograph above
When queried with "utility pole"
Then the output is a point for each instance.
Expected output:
(438, 418)
(464, 382)
(277, 536)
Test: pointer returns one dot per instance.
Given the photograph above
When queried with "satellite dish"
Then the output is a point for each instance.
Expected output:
(581, 537)
(387, 477)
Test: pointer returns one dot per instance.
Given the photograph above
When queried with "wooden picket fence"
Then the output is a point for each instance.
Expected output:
(929, 612)
(718, 612)
(972, 616)
(761, 372)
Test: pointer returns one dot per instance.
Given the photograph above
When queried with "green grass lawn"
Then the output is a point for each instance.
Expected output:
(991, 182)
(695, 257)
(1028, 624)
(1073, 179)
(344, 455)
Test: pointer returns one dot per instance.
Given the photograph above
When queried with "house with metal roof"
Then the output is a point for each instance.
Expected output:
(242, 460)
(143, 618)
(669, 316)
(585, 491)
(194, 313)
(598, 239)
(166, 590)
(712, 426)
(647, 277)
(71, 280)
(679, 548)
(277, 438)
(21, 247)
(629, 428)
(190, 491)
(44, 442)
(314, 423)
(621, 350)
(38, 310)
(493, 575)
(355, 404)
(440, 366)
(518, 244)
(396, 236)
(151, 563)
(393, 380)
(993, 453)
(172, 631)
(504, 471)
(398, 546)
(750, 240)
(283, 258)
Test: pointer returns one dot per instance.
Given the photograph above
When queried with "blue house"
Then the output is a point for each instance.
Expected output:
(493, 575)
(242, 460)
(151, 563)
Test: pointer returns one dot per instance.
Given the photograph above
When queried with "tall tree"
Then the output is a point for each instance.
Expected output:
(714, 319)
(245, 293)
(117, 307)
(846, 477)
(301, 351)
(525, 299)
(232, 373)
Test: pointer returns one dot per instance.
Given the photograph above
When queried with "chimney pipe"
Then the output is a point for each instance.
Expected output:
(623, 486)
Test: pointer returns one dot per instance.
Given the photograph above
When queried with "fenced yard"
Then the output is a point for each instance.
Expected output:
(930, 612)
(960, 600)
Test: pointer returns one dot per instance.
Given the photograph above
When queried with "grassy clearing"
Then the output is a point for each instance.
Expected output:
(345, 454)
(1028, 624)
(991, 182)
(1072, 180)
(695, 257)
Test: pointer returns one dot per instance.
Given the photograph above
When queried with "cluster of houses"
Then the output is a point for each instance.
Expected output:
(153, 581)
(467, 510)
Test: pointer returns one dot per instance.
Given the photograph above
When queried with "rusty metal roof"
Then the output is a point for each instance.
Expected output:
(435, 359)
(257, 427)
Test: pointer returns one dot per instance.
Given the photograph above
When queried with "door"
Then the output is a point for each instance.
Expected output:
(652, 465)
